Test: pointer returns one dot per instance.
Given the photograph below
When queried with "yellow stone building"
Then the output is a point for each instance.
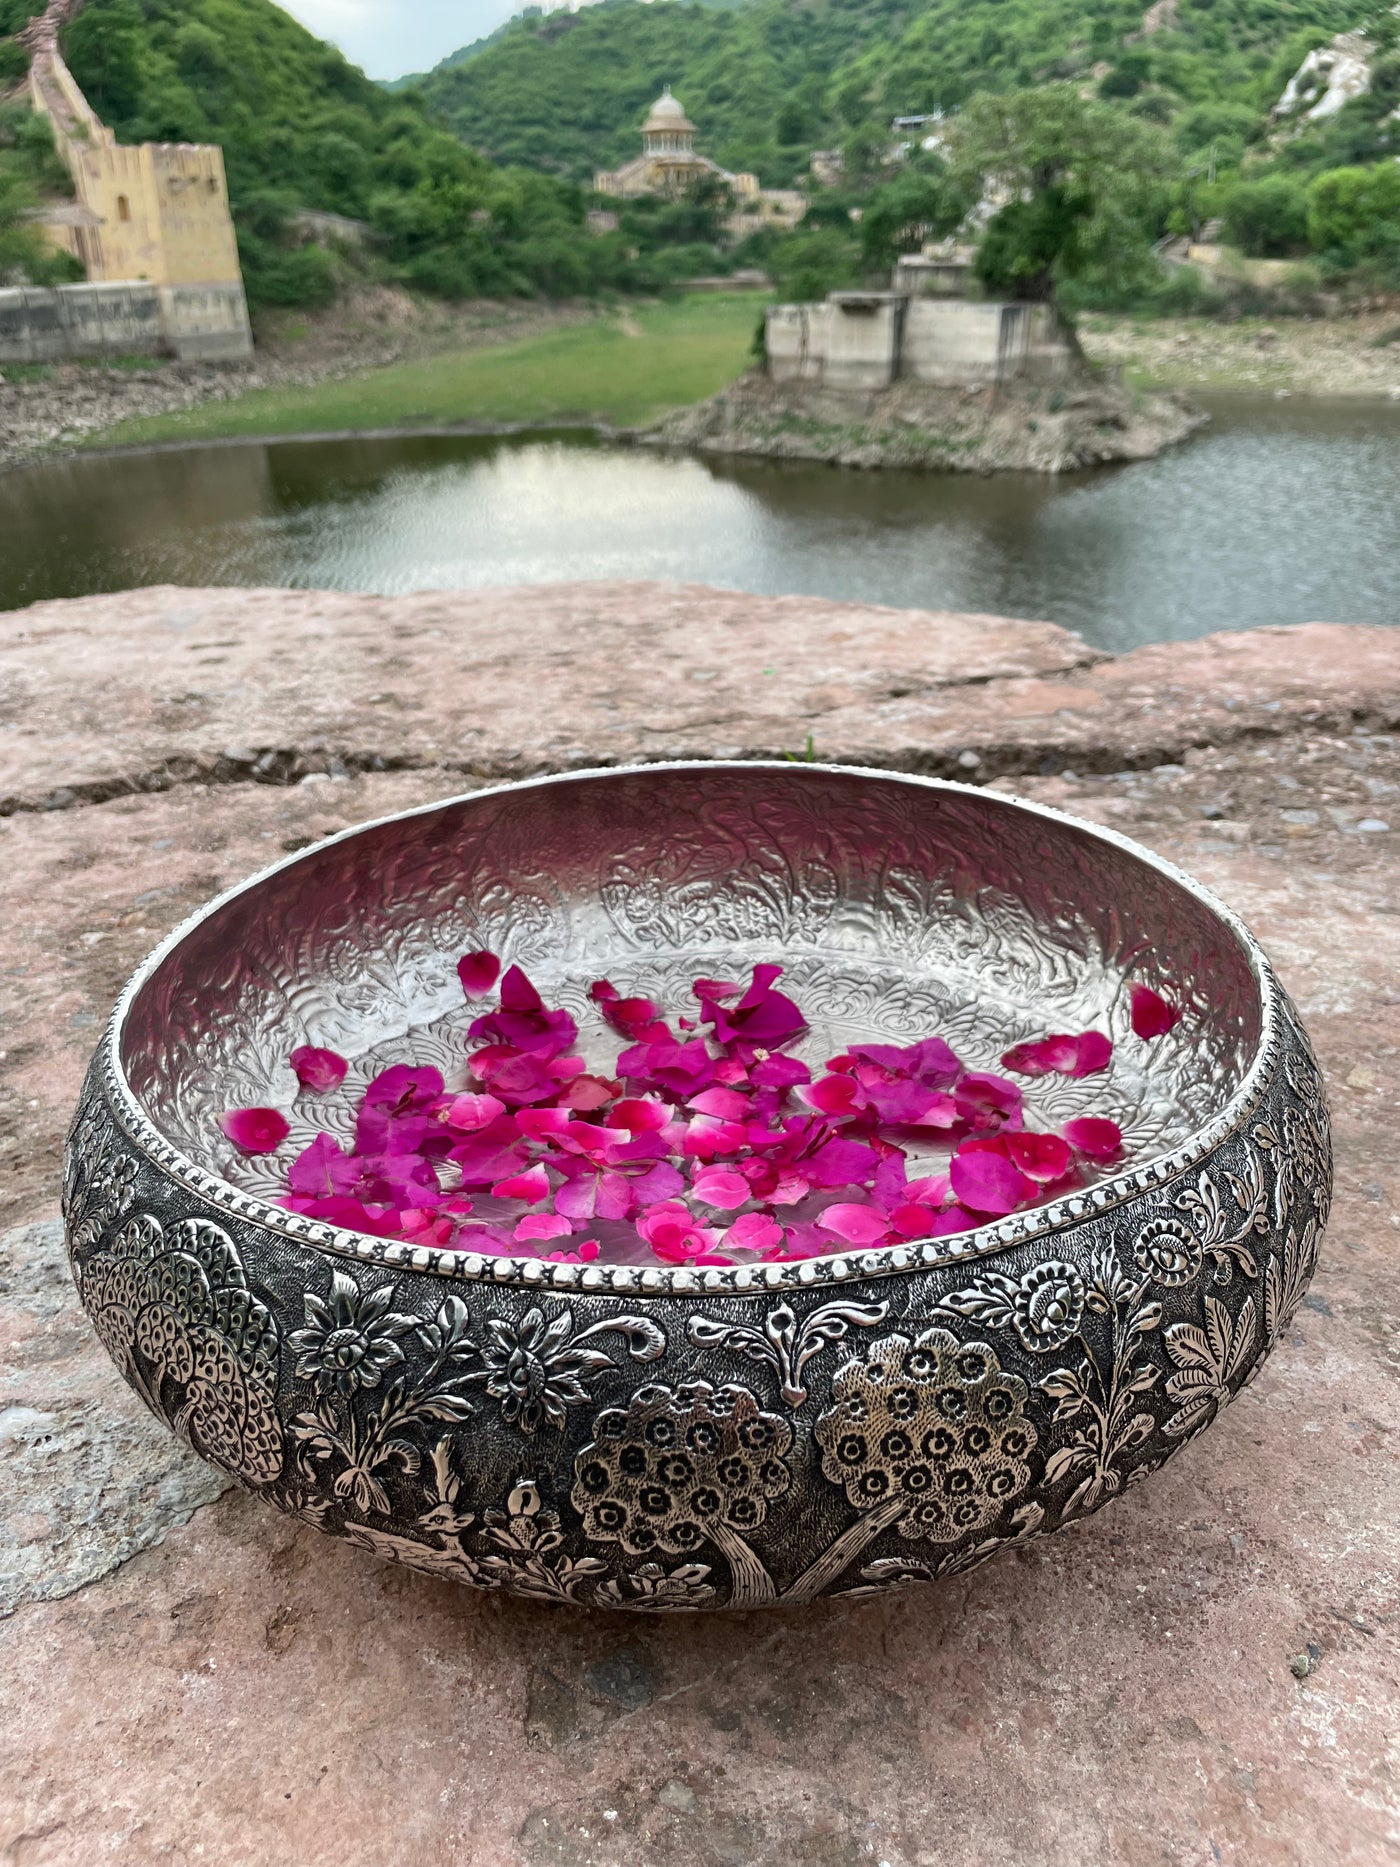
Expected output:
(155, 214)
(670, 166)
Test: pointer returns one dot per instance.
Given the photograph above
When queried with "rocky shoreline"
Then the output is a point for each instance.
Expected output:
(1017, 428)
(49, 409)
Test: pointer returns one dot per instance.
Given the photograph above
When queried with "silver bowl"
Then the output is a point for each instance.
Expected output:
(649, 1438)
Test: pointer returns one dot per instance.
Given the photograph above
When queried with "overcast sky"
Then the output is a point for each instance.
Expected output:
(392, 37)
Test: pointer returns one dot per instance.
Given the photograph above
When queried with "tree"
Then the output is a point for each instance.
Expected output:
(1355, 212)
(1267, 218)
(1081, 187)
(902, 214)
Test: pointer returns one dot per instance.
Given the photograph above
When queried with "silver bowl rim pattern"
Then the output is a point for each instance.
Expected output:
(838, 1267)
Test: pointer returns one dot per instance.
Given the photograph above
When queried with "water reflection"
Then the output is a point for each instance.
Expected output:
(1282, 512)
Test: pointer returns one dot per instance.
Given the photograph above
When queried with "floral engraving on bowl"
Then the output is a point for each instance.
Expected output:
(99, 1181)
(1169, 1252)
(928, 1436)
(784, 1343)
(1210, 1363)
(683, 1466)
(175, 1313)
(1045, 1307)
(537, 1370)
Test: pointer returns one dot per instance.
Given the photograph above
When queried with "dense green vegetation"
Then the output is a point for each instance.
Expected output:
(30, 172)
(769, 82)
(617, 369)
(303, 128)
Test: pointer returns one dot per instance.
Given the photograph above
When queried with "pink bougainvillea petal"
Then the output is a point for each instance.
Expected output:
(323, 1170)
(531, 1186)
(1095, 1137)
(988, 1182)
(478, 972)
(256, 1131)
(754, 1231)
(319, 1071)
(951, 1220)
(469, 1114)
(913, 1221)
(1151, 1015)
(722, 1187)
(858, 1225)
(541, 1225)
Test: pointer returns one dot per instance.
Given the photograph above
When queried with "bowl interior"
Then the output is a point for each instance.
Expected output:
(899, 908)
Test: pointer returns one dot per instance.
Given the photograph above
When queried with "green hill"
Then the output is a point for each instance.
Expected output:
(301, 127)
(770, 81)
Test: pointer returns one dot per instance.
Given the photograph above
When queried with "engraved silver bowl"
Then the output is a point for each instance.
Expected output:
(655, 1439)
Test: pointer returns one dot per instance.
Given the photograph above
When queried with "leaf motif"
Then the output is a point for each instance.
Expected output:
(1188, 1347)
(445, 1406)
(1067, 1381)
(645, 1341)
(1147, 1318)
(1066, 1459)
(1243, 1341)
(1139, 1429)
(987, 1301)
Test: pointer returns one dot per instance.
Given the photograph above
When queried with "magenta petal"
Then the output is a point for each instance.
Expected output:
(726, 1103)
(755, 1231)
(256, 1131)
(320, 1071)
(532, 1185)
(1095, 1137)
(469, 1114)
(322, 1170)
(542, 1225)
(722, 1187)
(988, 1183)
(1043, 1157)
(946, 1224)
(1152, 1016)
(478, 973)
(858, 1225)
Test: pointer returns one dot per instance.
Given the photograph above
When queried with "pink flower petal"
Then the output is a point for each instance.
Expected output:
(989, 1183)
(323, 1170)
(858, 1225)
(722, 1187)
(1152, 1016)
(754, 1231)
(1064, 1055)
(320, 1071)
(726, 1103)
(256, 1131)
(913, 1221)
(1042, 1157)
(532, 1185)
(946, 1224)
(541, 1225)
(478, 973)
(1095, 1137)
(469, 1114)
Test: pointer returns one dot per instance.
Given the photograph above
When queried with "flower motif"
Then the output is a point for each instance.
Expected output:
(928, 1434)
(679, 1466)
(350, 1339)
(534, 1371)
(1169, 1252)
(1048, 1306)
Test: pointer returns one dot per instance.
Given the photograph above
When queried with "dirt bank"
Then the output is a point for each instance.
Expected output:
(1299, 356)
(1016, 429)
(47, 408)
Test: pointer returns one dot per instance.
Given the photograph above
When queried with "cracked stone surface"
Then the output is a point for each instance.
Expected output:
(87, 1477)
(199, 1681)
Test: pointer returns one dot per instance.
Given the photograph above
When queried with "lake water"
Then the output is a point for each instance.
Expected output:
(1280, 512)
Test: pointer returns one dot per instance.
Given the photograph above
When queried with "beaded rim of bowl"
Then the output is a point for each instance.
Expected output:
(638, 1280)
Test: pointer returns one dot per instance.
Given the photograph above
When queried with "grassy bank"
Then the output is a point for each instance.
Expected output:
(622, 368)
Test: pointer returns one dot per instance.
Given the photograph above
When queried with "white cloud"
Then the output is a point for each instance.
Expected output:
(391, 37)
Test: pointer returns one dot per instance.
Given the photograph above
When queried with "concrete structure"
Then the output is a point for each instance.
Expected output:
(669, 165)
(154, 215)
(863, 341)
(128, 318)
(938, 272)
